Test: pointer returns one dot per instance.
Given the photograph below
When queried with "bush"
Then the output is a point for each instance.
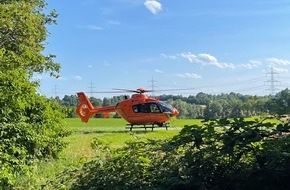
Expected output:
(219, 154)
(31, 127)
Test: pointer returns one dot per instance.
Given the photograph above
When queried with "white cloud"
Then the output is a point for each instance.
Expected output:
(206, 59)
(158, 71)
(280, 70)
(251, 64)
(61, 78)
(92, 27)
(168, 56)
(189, 56)
(276, 61)
(189, 75)
(270, 68)
(77, 77)
(153, 6)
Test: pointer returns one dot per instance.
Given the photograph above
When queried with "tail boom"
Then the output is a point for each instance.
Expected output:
(85, 109)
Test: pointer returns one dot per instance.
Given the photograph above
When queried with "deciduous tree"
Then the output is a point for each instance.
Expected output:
(31, 126)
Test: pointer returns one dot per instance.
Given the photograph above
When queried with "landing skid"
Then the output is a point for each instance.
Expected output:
(146, 126)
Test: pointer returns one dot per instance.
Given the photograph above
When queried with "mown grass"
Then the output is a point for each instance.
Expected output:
(113, 132)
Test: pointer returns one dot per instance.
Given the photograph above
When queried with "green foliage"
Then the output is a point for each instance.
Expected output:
(31, 126)
(22, 35)
(280, 104)
(107, 171)
(232, 105)
(217, 154)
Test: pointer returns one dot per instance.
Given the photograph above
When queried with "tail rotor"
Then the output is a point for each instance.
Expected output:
(84, 109)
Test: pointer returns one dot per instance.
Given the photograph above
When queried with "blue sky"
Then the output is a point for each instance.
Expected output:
(212, 46)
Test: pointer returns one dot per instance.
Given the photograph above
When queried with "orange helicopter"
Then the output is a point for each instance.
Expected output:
(137, 110)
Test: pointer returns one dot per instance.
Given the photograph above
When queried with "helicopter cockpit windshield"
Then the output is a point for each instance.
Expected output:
(165, 107)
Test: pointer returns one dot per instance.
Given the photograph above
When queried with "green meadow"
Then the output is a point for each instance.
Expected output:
(78, 151)
(111, 131)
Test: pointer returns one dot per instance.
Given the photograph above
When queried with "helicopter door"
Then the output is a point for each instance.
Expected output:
(156, 114)
(149, 113)
(142, 113)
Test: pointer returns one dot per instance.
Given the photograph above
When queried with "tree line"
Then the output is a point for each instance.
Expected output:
(202, 105)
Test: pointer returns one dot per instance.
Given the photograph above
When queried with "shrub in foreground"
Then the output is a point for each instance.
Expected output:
(219, 154)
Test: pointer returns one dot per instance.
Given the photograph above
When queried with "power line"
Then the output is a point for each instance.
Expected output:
(256, 85)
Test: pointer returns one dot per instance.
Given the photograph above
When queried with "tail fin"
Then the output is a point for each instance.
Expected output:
(85, 108)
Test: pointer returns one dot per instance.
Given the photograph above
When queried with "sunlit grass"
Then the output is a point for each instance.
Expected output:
(114, 132)
(79, 149)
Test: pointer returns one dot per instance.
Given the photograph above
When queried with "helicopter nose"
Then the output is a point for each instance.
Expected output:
(175, 112)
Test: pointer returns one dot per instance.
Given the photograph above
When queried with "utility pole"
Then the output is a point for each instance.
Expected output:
(272, 82)
(91, 87)
(55, 91)
(153, 86)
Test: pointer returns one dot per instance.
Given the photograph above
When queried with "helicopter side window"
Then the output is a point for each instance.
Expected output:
(141, 108)
(146, 108)
(154, 108)
(135, 108)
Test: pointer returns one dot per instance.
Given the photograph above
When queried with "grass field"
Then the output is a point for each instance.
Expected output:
(79, 150)
(113, 132)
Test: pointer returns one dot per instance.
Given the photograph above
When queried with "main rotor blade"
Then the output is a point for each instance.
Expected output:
(139, 90)
(103, 92)
(174, 89)
(125, 90)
